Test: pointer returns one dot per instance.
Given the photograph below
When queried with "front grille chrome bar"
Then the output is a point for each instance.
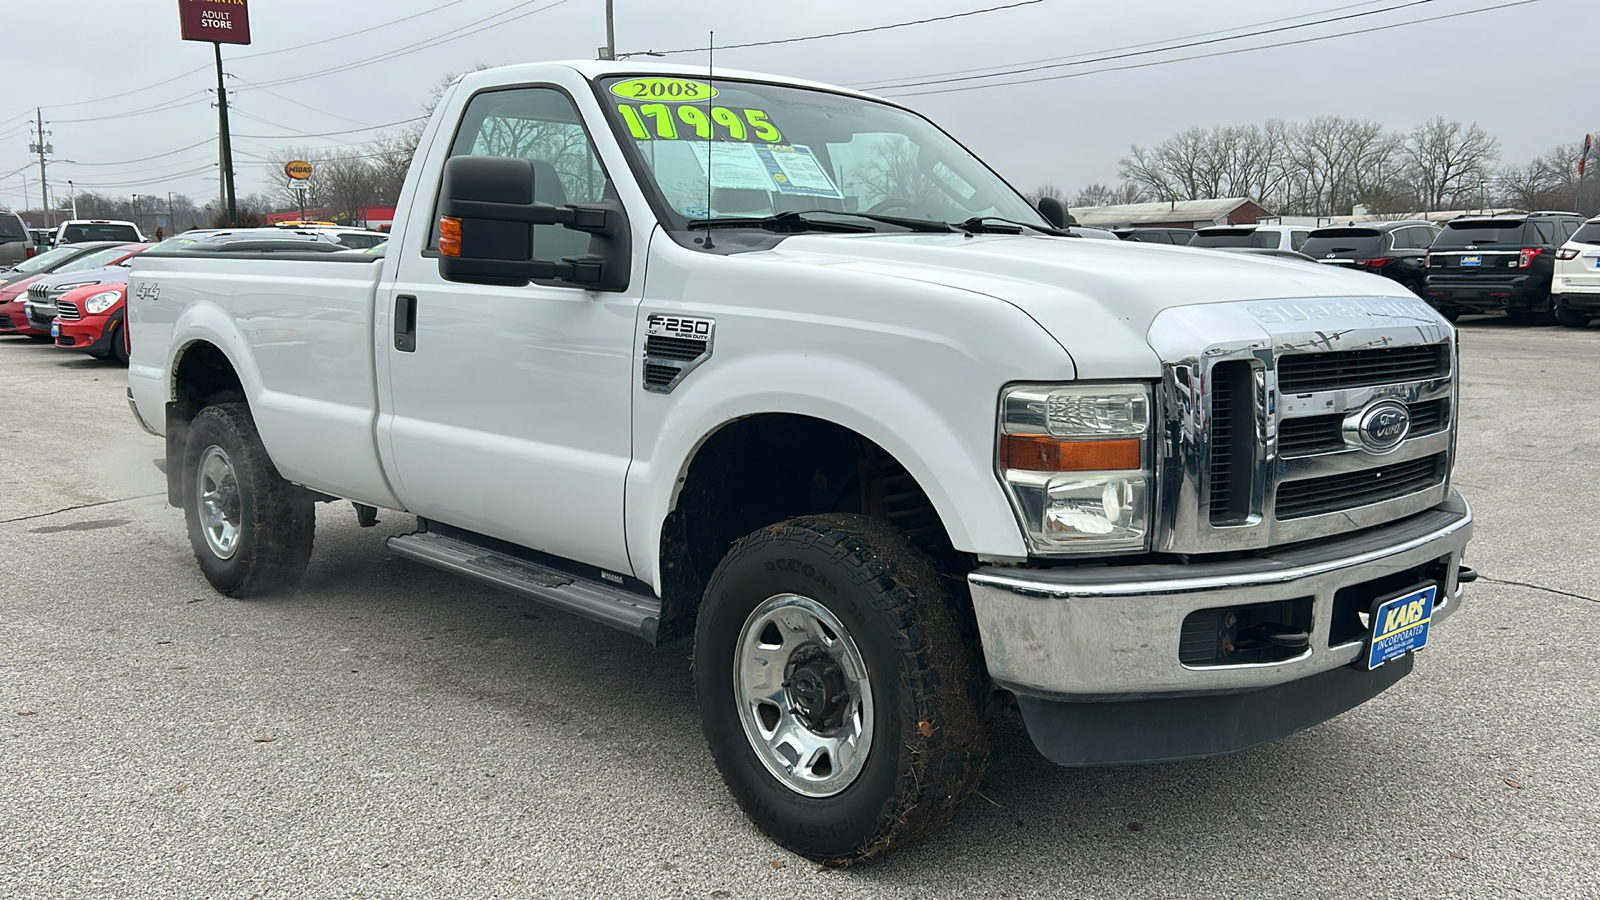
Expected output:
(1235, 436)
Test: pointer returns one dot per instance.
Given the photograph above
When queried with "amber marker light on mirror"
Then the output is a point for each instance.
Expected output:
(449, 236)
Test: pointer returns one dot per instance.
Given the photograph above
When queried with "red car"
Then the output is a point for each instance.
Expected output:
(71, 258)
(92, 319)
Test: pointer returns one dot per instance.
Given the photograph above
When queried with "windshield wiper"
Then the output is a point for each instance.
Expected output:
(783, 223)
(795, 221)
(982, 225)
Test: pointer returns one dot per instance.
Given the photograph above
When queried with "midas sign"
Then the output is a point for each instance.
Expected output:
(218, 21)
(299, 170)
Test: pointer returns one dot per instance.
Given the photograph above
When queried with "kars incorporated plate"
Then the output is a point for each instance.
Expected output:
(1400, 625)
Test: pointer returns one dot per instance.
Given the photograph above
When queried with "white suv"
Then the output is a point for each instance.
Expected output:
(1256, 237)
(1575, 284)
(76, 231)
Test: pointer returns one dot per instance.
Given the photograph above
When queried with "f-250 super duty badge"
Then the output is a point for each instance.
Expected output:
(673, 347)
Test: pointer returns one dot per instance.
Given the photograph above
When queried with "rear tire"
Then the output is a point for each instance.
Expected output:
(250, 529)
(839, 697)
(1571, 317)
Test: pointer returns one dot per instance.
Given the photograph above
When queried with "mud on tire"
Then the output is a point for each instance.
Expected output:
(250, 529)
(928, 744)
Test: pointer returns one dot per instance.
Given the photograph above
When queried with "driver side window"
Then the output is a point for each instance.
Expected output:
(540, 125)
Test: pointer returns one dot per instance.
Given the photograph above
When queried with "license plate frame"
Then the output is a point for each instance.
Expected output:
(55, 329)
(1471, 261)
(1400, 624)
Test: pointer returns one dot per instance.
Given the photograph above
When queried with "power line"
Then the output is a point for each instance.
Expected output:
(252, 56)
(834, 34)
(296, 102)
(301, 134)
(1220, 53)
(1051, 59)
(178, 103)
(1163, 49)
(422, 45)
(144, 159)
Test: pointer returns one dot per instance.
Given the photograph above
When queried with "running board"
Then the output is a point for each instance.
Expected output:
(624, 610)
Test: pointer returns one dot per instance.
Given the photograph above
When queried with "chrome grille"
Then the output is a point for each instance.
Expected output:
(1306, 372)
(37, 292)
(1335, 493)
(1325, 434)
(1261, 445)
(67, 311)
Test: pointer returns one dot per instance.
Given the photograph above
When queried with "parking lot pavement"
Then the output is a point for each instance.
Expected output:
(387, 730)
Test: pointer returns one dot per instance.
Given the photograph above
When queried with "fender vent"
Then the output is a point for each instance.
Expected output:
(673, 347)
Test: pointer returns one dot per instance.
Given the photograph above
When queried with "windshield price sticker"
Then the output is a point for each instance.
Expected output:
(665, 90)
(659, 121)
(774, 169)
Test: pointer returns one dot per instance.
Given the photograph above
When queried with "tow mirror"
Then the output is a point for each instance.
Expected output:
(487, 214)
(1054, 211)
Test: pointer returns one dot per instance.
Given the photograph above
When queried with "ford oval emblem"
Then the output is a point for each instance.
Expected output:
(1382, 426)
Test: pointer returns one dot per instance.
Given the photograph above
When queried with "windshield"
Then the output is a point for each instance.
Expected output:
(772, 149)
(1343, 242)
(1234, 237)
(96, 260)
(72, 234)
(44, 261)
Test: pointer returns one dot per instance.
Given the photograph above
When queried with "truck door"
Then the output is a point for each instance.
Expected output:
(508, 407)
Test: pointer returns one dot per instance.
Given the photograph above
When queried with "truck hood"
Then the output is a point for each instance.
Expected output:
(1096, 298)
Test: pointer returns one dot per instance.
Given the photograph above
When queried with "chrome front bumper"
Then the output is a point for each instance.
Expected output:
(1112, 632)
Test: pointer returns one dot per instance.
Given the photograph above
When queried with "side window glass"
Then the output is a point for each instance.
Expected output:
(540, 125)
(1572, 226)
(1547, 232)
(1297, 239)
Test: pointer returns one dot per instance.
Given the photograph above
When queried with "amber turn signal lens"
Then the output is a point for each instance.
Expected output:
(449, 236)
(1039, 453)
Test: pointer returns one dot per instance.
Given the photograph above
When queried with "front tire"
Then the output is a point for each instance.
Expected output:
(250, 529)
(840, 699)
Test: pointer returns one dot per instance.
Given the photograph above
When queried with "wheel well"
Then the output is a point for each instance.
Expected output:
(202, 376)
(767, 468)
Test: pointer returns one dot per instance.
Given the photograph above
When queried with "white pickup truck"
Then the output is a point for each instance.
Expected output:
(784, 368)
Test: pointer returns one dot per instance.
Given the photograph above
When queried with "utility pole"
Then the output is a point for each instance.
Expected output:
(42, 147)
(227, 145)
(609, 51)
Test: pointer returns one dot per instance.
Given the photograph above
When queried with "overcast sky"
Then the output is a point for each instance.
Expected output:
(1503, 69)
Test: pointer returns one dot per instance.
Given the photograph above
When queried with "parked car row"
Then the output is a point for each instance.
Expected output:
(76, 294)
(1536, 267)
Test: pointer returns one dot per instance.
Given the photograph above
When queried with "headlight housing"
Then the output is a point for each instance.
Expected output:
(1076, 461)
(99, 303)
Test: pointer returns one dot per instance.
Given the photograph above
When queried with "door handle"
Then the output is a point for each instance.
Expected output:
(405, 323)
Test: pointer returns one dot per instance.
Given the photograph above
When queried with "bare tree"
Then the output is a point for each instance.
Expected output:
(1451, 163)
(1048, 189)
(1098, 194)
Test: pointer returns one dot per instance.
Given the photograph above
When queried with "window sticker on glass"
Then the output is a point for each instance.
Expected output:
(795, 171)
(734, 166)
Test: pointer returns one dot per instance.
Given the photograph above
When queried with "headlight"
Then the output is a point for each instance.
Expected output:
(1076, 461)
(101, 302)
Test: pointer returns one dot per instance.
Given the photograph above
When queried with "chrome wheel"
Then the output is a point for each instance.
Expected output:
(221, 517)
(803, 694)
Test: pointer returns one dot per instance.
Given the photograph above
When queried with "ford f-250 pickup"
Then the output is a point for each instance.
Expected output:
(784, 369)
